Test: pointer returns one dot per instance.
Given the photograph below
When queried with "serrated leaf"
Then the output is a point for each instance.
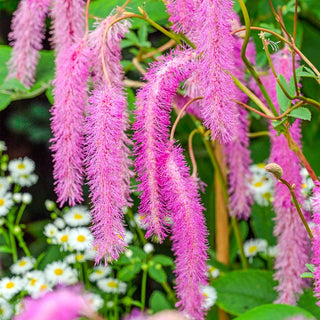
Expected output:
(159, 302)
(127, 273)
(283, 101)
(240, 291)
(4, 100)
(157, 273)
(301, 113)
(275, 312)
(163, 260)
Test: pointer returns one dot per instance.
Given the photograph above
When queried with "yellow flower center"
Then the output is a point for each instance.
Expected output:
(205, 295)
(33, 282)
(304, 185)
(10, 285)
(253, 249)
(58, 271)
(21, 166)
(77, 216)
(81, 238)
(112, 284)
(64, 238)
(267, 195)
(1, 202)
(22, 263)
(43, 287)
(258, 184)
(261, 165)
(99, 272)
(212, 269)
(79, 257)
(118, 235)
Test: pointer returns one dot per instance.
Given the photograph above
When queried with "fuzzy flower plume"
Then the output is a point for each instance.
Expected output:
(67, 122)
(26, 38)
(214, 18)
(108, 163)
(68, 22)
(239, 194)
(64, 303)
(188, 232)
(293, 244)
(316, 238)
(152, 133)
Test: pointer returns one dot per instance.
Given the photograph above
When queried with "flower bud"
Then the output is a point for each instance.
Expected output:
(275, 169)
(50, 205)
(26, 198)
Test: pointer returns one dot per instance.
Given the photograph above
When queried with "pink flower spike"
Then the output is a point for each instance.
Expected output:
(26, 38)
(64, 303)
(70, 96)
(152, 134)
(68, 23)
(104, 160)
(188, 232)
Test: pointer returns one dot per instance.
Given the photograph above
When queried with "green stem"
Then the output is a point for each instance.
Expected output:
(246, 61)
(26, 95)
(20, 213)
(137, 228)
(169, 291)
(297, 205)
(116, 309)
(144, 287)
(13, 245)
(23, 245)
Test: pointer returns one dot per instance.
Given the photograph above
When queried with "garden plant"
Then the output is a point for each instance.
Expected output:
(183, 138)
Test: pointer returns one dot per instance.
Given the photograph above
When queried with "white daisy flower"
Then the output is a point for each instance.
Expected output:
(6, 203)
(11, 286)
(3, 146)
(80, 239)
(50, 230)
(111, 285)
(21, 166)
(6, 311)
(213, 271)
(59, 223)
(23, 265)
(77, 216)
(62, 238)
(60, 272)
(210, 296)
(36, 282)
(75, 257)
(90, 253)
(272, 251)
(4, 185)
(99, 272)
(128, 237)
(253, 246)
(148, 248)
(25, 180)
(94, 300)
(138, 220)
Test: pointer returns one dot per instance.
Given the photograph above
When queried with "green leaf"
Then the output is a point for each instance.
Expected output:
(49, 95)
(157, 273)
(4, 100)
(163, 260)
(311, 267)
(127, 273)
(301, 113)
(275, 312)
(137, 252)
(45, 68)
(143, 33)
(240, 291)
(308, 302)
(158, 302)
(5, 52)
(13, 85)
(307, 275)
(5, 249)
(283, 101)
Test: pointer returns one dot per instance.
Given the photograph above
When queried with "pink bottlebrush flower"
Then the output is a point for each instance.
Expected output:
(240, 196)
(214, 18)
(112, 49)
(316, 237)
(188, 232)
(26, 38)
(64, 303)
(293, 245)
(68, 23)
(104, 150)
(70, 96)
(152, 133)
(179, 102)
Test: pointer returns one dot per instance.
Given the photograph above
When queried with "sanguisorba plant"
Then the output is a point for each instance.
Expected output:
(90, 124)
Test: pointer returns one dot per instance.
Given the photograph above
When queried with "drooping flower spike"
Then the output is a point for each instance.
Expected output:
(70, 86)
(152, 134)
(107, 153)
(26, 38)
(188, 232)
